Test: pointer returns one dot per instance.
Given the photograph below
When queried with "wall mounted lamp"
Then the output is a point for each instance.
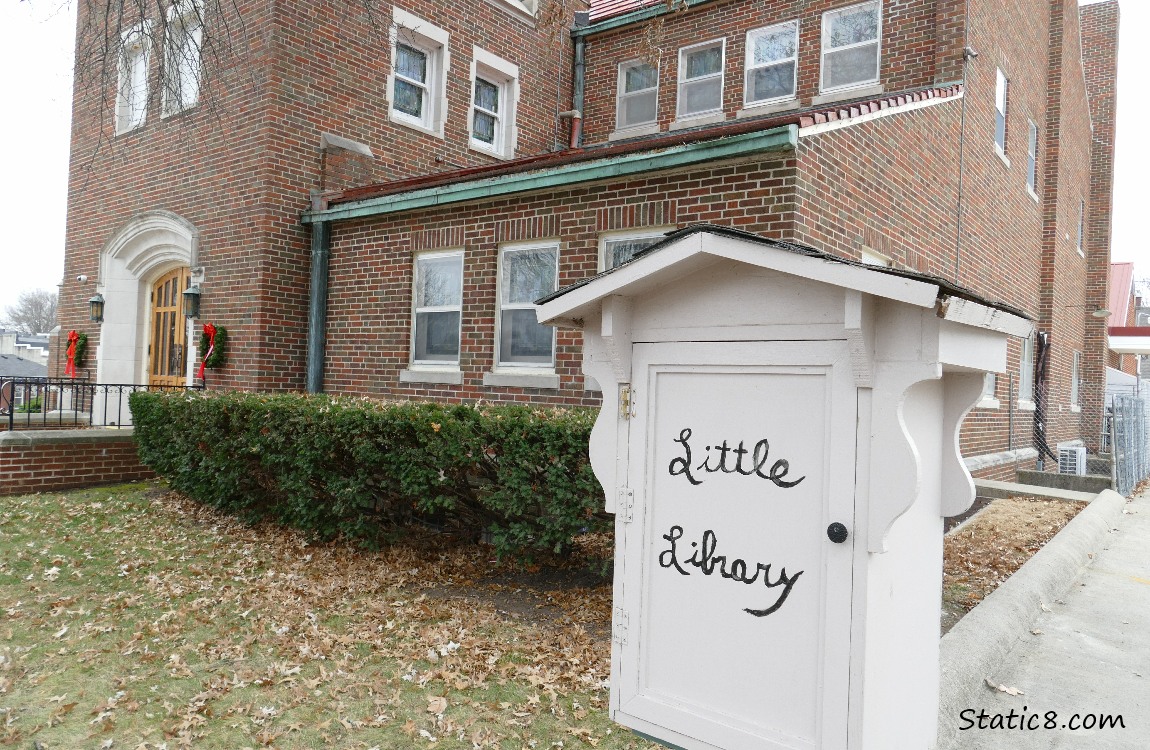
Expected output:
(96, 307)
(192, 301)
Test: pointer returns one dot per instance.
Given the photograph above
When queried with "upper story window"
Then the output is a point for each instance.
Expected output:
(438, 304)
(525, 7)
(851, 46)
(638, 98)
(494, 94)
(701, 78)
(526, 273)
(771, 57)
(132, 86)
(1032, 159)
(1075, 379)
(182, 56)
(1001, 90)
(617, 248)
(420, 60)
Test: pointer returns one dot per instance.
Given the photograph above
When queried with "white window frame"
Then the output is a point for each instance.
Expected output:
(621, 95)
(1026, 373)
(412, 31)
(1001, 109)
(527, 9)
(825, 50)
(504, 76)
(1076, 381)
(1032, 158)
(989, 399)
(441, 364)
(645, 233)
(750, 66)
(546, 367)
(135, 48)
(872, 258)
(179, 13)
(721, 75)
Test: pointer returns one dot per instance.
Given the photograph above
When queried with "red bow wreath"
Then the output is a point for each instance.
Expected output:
(210, 332)
(70, 368)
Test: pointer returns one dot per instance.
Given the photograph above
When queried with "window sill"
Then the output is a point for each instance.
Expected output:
(634, 132)
(755, 110)
(1024, 405)
(515, 10)
(1033, 194)
(1075, 408)
(440, 377)
(489, 152)
(432, 131)
(857, 92)
(591, 385)
(988, 403)
(166, 114)
(998, 152)
(709, 118)
(547, 380)
(129, 131)
(1080, 253)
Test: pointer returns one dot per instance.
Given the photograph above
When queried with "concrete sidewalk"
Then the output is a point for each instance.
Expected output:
(1082, 650)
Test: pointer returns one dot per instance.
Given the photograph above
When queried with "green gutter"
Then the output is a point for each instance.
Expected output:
(783, 138)
(635, 16)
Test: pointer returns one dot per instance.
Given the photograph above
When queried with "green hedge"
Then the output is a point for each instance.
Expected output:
(362, 469)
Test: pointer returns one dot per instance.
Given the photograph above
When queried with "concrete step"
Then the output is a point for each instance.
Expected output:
(992, 489)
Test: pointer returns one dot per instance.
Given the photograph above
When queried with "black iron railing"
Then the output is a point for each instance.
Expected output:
(61, 403)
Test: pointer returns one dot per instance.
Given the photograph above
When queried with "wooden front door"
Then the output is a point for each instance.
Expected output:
(167, 350)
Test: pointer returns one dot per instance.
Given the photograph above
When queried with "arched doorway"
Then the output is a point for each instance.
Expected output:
(167, 347)
(144, 270)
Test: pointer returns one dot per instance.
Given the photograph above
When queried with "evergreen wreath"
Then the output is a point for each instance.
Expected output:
(219, 355)
(81, 348)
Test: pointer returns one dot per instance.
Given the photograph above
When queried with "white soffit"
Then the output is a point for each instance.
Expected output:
(1129, 344)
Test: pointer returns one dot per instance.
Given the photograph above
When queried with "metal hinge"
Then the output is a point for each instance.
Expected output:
(626, 404)
(622, 622)
(626, 507)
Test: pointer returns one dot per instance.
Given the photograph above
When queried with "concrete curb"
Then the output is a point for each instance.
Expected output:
(977, 645)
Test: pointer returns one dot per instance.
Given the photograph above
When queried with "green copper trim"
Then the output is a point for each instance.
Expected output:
(783, 138)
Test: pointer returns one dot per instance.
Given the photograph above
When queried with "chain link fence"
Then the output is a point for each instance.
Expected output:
(1129, 436)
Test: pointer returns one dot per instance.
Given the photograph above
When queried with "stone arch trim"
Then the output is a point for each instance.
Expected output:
(150, 242)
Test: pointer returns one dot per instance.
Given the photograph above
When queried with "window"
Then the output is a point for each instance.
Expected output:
(851, 46)
(1000, 99)
(871, 258)
(494, 91)
(1032, 159)
(132, 88)
(437, 302)
(637, 102)
(1075, 379)
(1081, 225)
(701, 79)
(617, 249)
(182, 60)
(771, 56)
(1026, 371)
(419, 64)
(526, 273)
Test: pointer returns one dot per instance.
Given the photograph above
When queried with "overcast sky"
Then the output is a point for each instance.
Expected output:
(35, 87)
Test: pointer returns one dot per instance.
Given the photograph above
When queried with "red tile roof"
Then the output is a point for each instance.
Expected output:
(601, 9)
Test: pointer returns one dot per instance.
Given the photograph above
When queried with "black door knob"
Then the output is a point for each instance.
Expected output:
(837, 533)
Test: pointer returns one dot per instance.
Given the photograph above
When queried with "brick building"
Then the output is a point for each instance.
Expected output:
(370, 198)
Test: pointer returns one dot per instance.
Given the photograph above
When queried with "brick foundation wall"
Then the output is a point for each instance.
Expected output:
(67, 459)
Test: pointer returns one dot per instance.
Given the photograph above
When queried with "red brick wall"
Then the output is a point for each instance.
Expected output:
(909, 51)
(56, 460)
(240, 165)
(369, 317)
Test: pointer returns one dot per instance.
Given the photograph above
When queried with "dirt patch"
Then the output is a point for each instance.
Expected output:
(979, 556)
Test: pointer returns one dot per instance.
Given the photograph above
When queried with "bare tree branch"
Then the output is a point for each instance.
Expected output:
(34, 312)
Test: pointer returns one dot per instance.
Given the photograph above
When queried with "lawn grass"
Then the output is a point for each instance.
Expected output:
(133, 618)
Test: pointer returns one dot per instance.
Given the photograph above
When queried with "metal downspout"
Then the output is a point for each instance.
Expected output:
(577, 91)
(317, 305)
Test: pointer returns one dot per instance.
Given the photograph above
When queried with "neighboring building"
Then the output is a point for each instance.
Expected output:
(444, 187)
(33, 349)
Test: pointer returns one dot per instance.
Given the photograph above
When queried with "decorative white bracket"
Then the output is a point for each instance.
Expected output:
(963, 390)
(896, 471)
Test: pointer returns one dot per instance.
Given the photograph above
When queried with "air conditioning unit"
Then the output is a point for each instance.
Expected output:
(1072, 460)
